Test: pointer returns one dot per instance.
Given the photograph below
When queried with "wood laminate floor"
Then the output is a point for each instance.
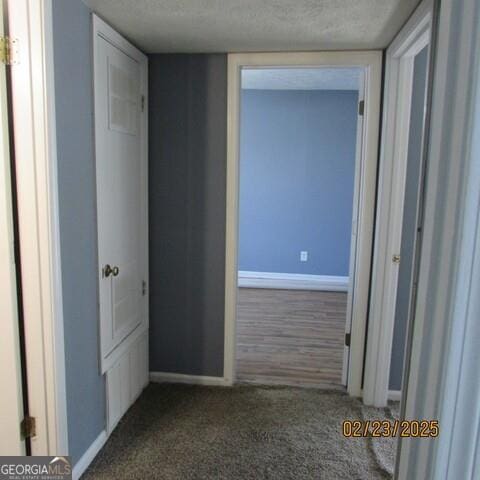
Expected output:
(290, 337)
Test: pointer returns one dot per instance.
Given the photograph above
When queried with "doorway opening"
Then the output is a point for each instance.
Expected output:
(399, 220)
(298, 209)
(300, 181)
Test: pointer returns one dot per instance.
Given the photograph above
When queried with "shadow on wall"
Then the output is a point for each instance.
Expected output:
(187, 175)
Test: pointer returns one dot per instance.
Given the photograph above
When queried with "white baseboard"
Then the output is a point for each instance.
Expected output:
(395, 395)
(292, 281)
(167, 377)
(89, 455)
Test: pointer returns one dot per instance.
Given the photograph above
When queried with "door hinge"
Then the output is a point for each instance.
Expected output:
(143, 102)
(361, 107)
(9, 51)
(347, 339)
(144, 288)
(28, 427)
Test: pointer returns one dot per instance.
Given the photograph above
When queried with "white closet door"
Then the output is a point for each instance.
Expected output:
(121, 189)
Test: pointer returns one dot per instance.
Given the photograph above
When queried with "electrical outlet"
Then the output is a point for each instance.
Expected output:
(303, 256)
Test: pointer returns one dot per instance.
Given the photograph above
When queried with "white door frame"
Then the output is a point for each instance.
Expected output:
(11, 399)
(413, 37)
(372, 62)
(33, 99)
(354, 237)
(442, 378)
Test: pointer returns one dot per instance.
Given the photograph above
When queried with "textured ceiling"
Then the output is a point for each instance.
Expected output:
(300, 78)
(255, 25)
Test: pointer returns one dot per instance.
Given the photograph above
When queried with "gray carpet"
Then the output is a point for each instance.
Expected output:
(384, 449)
(180, 432)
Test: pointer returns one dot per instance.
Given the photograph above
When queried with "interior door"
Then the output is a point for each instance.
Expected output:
(121, 191)
(11, 399)
(409, 220)
(353, 242)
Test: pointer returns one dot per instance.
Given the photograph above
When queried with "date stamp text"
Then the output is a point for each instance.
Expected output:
(391, 428)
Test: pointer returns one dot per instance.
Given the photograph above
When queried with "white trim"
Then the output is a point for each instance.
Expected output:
(37, 191)
(442, 380)
(391, 194)
(167, 377)
(371, 61)
(395, 395)
(292, 281)
(354, 230)
(103, 30)
(87, 458)
(55, 225)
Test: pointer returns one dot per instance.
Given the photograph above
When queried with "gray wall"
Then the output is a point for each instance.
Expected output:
(297, 168)
(187, 167)
(409, 218)
(78, 238)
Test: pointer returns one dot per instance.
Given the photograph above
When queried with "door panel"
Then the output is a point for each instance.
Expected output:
(121, 191)
(125, 381)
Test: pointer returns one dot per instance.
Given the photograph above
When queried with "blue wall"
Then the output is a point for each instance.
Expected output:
(78, 235)
(297, 160)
